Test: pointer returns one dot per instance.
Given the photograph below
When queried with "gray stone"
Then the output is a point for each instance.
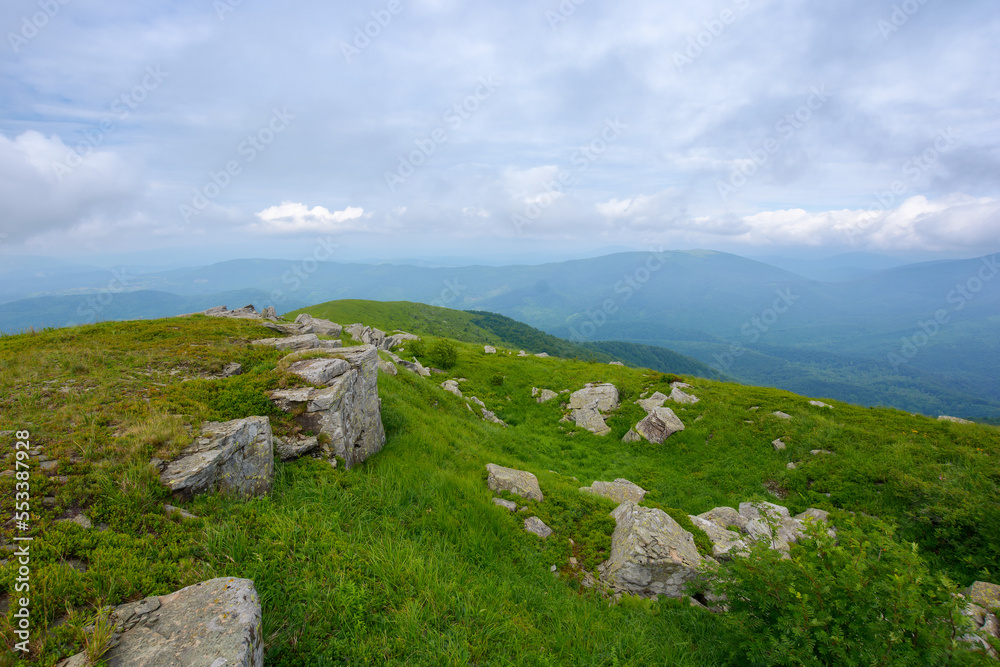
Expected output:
(542, 355)
(725, 543)
(309, 324)
(779, 444)
(518, 482)
(955, 420)
(819, 452)
(319, 371)
(659, 425)
(678, 396)
(184, 514)
(791, 465)
(396, 339)
(650, 553)
(632, 436)
(491, 417)
(348, 410)
(619, 490)
(489, 349)
(302, 342)
(48, 466)
(814, 514)
(477, 402)
(984, 594)
(233, 458)
(820, 404)
(680, 385)
(546, 395)
(615, 363)
(590, 419)
(293, 448)
(602, 397)
(244, 313)
(451, 386)
(535, 525)
(781, 415)
(508, 505)
(215, 623)
(725, 517)
(387, 367)
(231, 370)
(655, 401)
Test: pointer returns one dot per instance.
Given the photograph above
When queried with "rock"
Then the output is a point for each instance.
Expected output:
(398, 338)
(546, 395)
(451, 387)
(387, 367)
(244, 313)
(820, 404)
(601, 397)
(214, 623)
(791, 465)
(522, 353)
(659, 425)
(413, 366)
(81, 520)
(477, 402)
(955, 420)
(48, 466)
(761, 516)
(725, 543)
(347, 409)
(632, 436)
(650, 553)
(270, 314)
(542, 355)
(288, 449)
(307, 324)
(781, 415)
(591, 420)
(814, 514)
(760, 510)
(320, 371)
(778, 444)
(619, 490)
(509, 505)
(518, 482)
(680, 385)
(491, 417)
(984, 594)
(489, 349)
(303, 342)
(234, 458)
(184, 514)
(818, 452)
(678, 396)
(534, 392)
(725, 517)
(615, 363)
(231, 370)
(535, 525)
(367, 335)
(655, 401)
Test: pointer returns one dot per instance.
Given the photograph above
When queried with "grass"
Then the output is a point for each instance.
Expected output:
(405, 559)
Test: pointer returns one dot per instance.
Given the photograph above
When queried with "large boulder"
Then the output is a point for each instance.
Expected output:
(650, 553)
(602, 397)
(214, 623)
(678, 396)
(546, 395)
(234, 458)
(451, 386)
(984, 594)
(346, 409)
(244, 313)
(591, 420)
(309, 324)
(659, 424)
(725, 543)
(655, 401)
(619, 490)
(518, 482)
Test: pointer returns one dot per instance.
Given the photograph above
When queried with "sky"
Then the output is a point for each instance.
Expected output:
(419, 128)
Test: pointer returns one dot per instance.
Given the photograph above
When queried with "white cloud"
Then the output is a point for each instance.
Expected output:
(292, 217)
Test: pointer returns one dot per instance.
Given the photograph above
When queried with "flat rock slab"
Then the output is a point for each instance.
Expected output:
(518, 482)
(215, 623)
(535, 525)
(619, 490)
(659, 425)
(508, 505)
(319, 371)
(234, 458)
(650, 553)
(309, 324)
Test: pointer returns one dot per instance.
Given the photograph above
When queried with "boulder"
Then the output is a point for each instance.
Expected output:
(293, 448)
(814, 514)
(234, 458)
(518, 482)
(778, 444)
(301, 342)
(615, 363)
(542, 355)
(546, 395)
(232, 370)
(489, 349)
(725, 517)
(820, 404)
(655, 401)
(451, 386)
(398, 338)
(601, 397)
(955, 420)
(631, 436)
(244, 313)
(590, 419)
(619, 490)
(491, 417)
(821, 452)
(659, 425)
(214, 623)
(678, 396)
(319, 371)
(725, 543)
(535, 525)
(781, 415)
(309, 324)
(387, 367)
(760, 519)
(650, 553)
(984, 594)
(508, 505)
(346, 409)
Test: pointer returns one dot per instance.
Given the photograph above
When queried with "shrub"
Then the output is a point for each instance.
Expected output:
(860, 598)
(497, 379)
(443, 354)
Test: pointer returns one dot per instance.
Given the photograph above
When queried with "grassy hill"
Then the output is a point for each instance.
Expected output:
(405, 559)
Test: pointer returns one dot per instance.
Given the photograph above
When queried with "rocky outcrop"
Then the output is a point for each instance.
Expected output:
(306, 323)
(518, 482)
(387, 367)
(234, 458)
(545, 395)
(820, 404)
(589, 405)
(954, 420)
(725, 543)
(508, 505)
(535, 525)
(214, 623)
(346, 408)
(301, 342)
(412, 366)
(732, 531)
(244, 313)
(659, 424)
(650, 553)
(377, 337)
(619, 490)
(489, 349)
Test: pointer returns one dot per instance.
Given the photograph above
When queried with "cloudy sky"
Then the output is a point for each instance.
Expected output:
(440, 127)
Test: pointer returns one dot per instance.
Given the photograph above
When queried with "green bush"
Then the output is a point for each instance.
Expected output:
(860, 598)
(497, 379)
(443, 354)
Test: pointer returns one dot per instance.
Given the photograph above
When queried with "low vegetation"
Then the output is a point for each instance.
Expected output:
(406, 560)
